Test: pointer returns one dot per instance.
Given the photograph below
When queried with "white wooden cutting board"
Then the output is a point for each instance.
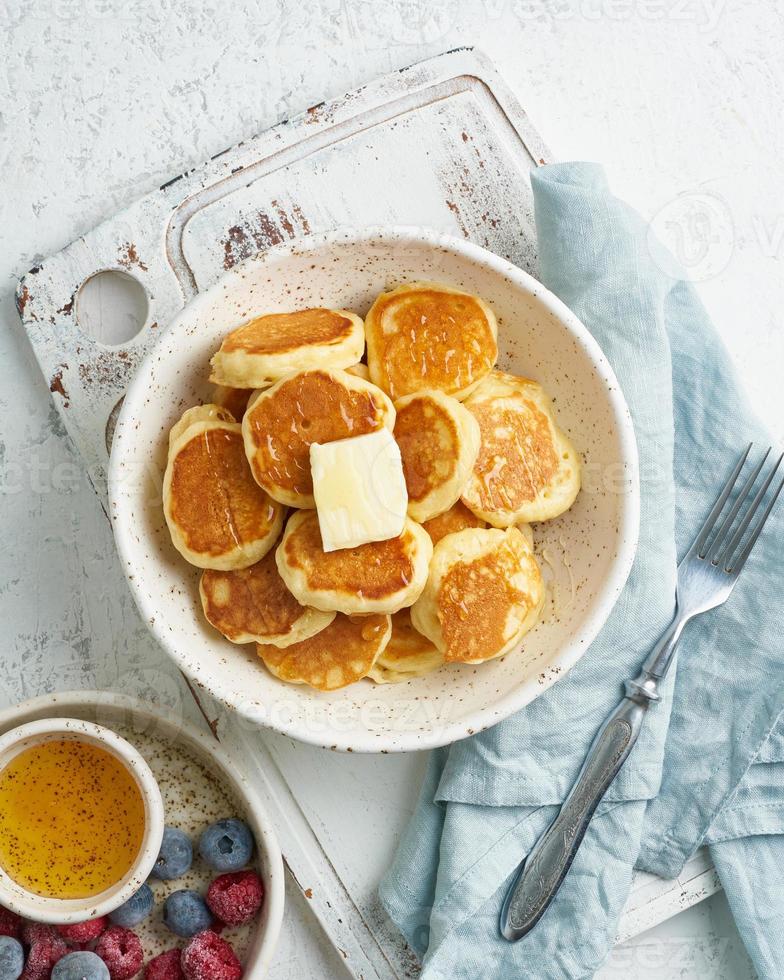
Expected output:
(442, 144)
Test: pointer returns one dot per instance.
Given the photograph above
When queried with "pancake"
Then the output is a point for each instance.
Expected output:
(427, 335)
(270, 347)
(457, 518)
(378, 577)
(199, 413)
(339, 655)
(484, 592)
(527, 469)
(312, 406)
(218, 516)
(234, 399)
(253, 605)
(528, 533)
(407, 655)
(439, 443)
(359, 370)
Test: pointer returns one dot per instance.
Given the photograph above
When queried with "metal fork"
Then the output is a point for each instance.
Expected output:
(706, 577)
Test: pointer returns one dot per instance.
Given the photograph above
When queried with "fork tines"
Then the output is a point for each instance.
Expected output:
(732, 543)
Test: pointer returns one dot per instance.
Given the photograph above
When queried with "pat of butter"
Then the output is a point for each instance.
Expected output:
(359, 488)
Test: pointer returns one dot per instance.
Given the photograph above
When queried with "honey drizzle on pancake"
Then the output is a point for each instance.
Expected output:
(516, 457)
(428, 438)
(309, 407)
(215, 500)
(433, 339)
(473, 603)
(371, 571)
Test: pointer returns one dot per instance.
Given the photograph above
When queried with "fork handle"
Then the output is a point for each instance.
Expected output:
(541, 873)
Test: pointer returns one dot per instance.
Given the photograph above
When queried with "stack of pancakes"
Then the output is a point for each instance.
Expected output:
(482, 457)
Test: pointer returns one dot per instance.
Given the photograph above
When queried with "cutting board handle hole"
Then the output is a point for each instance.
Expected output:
(112, 307)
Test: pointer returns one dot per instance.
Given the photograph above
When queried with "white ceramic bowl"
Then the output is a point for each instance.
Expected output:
(587, 553)
(61, 911)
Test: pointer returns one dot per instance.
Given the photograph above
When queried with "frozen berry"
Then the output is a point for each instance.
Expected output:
(135, 910)
(186, 913)
(236, 898)
(84, 932)
(226, 845)
(34, 932)
(11, 958)
(121, 950)
(81, 966)
(46, 948)
(175, 856)
(208, 957)
(165, 967)
(10, 923)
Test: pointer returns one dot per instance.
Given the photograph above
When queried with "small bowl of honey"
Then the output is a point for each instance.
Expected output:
(81, 820)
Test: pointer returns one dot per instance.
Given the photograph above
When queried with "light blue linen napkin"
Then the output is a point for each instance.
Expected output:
(487, 799)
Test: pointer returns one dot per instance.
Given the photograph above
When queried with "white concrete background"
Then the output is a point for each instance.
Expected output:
(103, 100)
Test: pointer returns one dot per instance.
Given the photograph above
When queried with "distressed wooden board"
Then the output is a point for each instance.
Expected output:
(448, 127)
(443, 144)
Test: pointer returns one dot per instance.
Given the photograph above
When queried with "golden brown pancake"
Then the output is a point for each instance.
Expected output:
(339, 655)
(428, 335)
(408, 654)
(313, 406)
(233, 399)
(253, 605)
(217, 514)
(378, 577)
(527, 469)
(212, 412)
(270, 347)
(439, 443)
(457, 518)
(484, 593)
(360, 370)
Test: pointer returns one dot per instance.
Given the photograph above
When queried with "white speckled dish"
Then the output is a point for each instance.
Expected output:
(586, 554)
(199, 784)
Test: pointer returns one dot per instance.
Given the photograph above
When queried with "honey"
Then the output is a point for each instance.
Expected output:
(72, 819)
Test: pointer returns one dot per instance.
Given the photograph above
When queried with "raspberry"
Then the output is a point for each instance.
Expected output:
(84, 932)
(208, 957)
(121, 950)
(10, 923)
(165, 967)
(35, 932)
(236, 898)
(46, 948)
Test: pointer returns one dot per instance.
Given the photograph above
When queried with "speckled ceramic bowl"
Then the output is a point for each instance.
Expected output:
(586, 554)
(199, 783)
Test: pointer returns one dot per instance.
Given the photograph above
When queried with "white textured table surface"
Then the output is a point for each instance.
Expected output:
(103, 100)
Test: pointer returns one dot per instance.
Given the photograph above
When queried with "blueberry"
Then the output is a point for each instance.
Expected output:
(227, 845)
(175, 857)
(11, 958)
(80, 966)
(135, 910)
(186, 913)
